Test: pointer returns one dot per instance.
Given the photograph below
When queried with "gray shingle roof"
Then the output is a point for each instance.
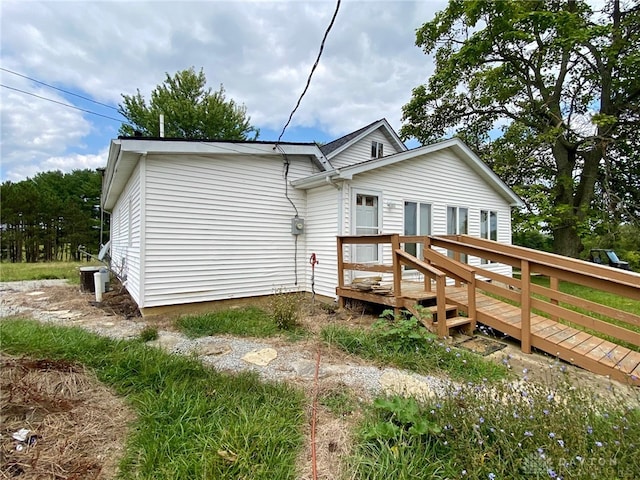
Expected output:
(334, 145)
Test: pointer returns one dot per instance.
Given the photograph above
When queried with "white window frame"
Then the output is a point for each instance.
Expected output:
(377, 149)
(419, 227)
(354, 198)
(488, 218)
(463, 256)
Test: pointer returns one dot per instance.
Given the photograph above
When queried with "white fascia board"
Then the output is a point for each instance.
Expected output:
(112, 159)
(315, 180)
(204, 148)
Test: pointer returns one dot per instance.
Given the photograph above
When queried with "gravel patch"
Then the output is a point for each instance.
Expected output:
(293, 363)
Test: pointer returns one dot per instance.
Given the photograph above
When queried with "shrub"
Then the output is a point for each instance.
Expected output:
(285, 308)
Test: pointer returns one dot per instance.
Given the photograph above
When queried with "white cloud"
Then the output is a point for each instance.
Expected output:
(261, 51)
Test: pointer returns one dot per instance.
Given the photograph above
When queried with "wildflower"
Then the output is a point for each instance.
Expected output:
(561, 443)
(464, 472)
(528, 434)
(447, 350)
(598, 444)
(515, 415)
(545, 411)
(589, 430)
(552, 435)
(492, 476)
(552, 473)
(525, 370)
(579, 458)
(550, 397)
(481, 419)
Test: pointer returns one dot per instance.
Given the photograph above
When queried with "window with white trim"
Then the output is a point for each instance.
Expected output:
(488, 227)
(376, 149)
(417, 221)
(458, 224)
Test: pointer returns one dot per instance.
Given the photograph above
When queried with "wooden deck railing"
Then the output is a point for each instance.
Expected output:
(432, 274)
(549, 301)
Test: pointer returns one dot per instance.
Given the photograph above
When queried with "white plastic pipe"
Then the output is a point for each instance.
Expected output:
(97, 282)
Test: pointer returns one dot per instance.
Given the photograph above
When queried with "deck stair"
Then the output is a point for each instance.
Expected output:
(596, 337)
(452, 318)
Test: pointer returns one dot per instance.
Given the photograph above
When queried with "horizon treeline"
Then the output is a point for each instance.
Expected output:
(47, 217)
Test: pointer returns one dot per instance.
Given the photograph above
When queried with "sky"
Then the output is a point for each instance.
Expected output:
(262, 52)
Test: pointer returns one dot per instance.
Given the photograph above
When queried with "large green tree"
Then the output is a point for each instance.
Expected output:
(562, 81)
(191, 110)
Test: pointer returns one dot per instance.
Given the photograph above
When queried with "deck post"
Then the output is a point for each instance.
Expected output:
(427, 278)
(397, 273)
(340, 243)
(554, 284)
(471, 298)
(441, 304)
(525, 307)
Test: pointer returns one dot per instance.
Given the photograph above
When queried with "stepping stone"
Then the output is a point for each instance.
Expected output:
(214, 349)
(307, 369)
(261, 357)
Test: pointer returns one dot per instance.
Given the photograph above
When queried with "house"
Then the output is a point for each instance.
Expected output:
(194, 222)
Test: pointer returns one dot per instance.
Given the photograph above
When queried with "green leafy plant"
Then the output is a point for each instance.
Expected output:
(396, 416)
(286, 308)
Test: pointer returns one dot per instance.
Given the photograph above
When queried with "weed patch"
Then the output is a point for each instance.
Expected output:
(500, 431)
(405, 343)
(245, 322)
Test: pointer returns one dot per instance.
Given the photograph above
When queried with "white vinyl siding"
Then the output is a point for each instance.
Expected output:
(126, 226)
(220, 228)
(440, 179)
(360, 151)
(322, 229)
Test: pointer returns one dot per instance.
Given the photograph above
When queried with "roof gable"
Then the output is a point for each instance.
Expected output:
(454, 144)
(333, 148)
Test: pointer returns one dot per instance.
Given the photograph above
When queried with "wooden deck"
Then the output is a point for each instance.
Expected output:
(566, 343)
(560, 331)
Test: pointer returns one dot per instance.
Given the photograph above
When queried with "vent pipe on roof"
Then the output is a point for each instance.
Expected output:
(161, 125)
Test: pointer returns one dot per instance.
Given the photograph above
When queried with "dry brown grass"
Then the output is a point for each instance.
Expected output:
(77, 426)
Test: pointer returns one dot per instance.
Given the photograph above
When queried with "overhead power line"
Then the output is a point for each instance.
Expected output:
(326, 34)
(59, 89)
(64, 104)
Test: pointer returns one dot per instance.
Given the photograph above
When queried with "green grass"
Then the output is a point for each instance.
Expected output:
(192, 421)
(406, 344)
(500, 431)
(11, 272)
(244, 322)
(597, 296)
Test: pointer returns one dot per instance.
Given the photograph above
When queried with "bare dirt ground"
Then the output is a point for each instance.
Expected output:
(77, 427)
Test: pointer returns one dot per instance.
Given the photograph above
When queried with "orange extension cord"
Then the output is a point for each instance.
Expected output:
(314, 467)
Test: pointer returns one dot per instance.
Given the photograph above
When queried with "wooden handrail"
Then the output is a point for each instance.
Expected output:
(418, 264)
(556, 267)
